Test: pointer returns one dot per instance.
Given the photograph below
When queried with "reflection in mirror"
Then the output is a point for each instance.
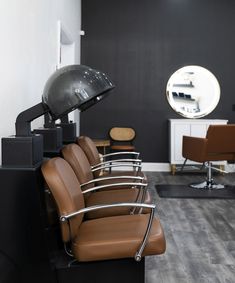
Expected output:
(193, 91)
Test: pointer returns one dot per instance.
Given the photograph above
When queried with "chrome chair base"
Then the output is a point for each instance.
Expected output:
(207, 185)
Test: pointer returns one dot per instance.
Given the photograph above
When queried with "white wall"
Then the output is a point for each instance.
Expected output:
(28, 52)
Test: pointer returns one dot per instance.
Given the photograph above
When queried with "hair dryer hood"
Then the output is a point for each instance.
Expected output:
(74, 86)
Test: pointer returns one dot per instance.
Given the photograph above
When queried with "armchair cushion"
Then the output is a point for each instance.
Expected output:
(117, 237)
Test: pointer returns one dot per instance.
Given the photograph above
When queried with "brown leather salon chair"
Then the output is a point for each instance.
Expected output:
(107, 189)
(121, 139)
(101, 167)
(218, 145)
(116, 237)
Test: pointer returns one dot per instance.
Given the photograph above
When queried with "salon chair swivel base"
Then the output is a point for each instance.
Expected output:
(209, 183)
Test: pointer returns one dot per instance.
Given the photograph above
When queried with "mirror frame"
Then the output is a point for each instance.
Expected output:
(187, 80)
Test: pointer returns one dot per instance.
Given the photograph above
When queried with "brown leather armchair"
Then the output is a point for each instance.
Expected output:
(102, 167)
(110, 189)
(106, 238)
(219, 144)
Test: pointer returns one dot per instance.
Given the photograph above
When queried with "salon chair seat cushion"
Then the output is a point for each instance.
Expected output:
(117, 237)
(114, 196)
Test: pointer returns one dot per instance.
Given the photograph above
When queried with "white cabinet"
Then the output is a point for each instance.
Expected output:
(186, 127)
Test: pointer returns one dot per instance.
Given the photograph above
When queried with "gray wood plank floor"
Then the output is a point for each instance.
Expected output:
(200, 235)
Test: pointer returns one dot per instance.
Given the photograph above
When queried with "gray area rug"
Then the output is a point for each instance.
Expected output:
(184, 191)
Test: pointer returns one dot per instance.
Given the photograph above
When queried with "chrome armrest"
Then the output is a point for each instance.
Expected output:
(116, 185)
(139, 252)
(139, 178)
(122, 153)
(105, 166)
(66, 217)
(136, 161)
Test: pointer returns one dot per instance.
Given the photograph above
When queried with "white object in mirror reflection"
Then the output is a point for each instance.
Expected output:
(193, 91)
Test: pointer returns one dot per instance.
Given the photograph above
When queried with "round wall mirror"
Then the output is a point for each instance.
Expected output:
(193, 91)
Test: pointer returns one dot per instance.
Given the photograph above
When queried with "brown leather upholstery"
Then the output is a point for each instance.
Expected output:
(219, 144)
(77, 159)
(75, 156)
(115, 173)
(99, 239)
(66, 191)
(106, 197)
(103, 238)
(194, 148)
(88, 146)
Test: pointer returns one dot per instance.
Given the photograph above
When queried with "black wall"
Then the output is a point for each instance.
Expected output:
(139, 44)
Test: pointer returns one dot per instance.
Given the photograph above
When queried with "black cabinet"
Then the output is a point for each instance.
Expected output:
(24, 255)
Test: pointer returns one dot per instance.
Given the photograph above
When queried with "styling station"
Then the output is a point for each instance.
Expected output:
(39, 242)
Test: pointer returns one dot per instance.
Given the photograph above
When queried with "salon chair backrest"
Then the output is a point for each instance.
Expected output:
(91, 151)
(77, 159)
(221, 142)
(65, 188)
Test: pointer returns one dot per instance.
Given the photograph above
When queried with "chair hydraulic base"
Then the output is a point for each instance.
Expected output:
(207, 185)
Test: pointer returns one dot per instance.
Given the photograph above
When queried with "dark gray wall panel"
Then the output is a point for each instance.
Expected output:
(139, 44)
